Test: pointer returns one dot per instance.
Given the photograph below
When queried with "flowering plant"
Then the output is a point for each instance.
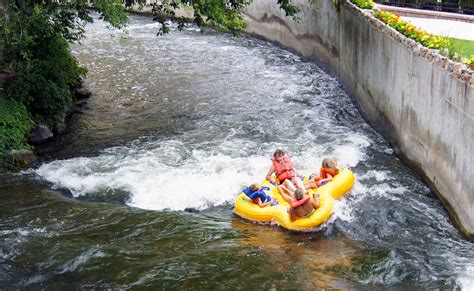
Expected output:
(426, 39)
(470, 62)
(364, 4)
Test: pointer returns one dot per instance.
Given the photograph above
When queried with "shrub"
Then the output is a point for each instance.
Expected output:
(41, 58)
(427, 39)
(470, 62)
(445, 45)
(15, 124)
(44, 83)
(364, 4)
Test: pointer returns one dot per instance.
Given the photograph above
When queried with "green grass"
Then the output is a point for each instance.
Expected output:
(463, 46)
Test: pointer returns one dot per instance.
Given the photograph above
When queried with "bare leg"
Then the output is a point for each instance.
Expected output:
(310, 185)
(282, 189)
(290, 186)
(315, 202)
(297, 182)
(291, 212)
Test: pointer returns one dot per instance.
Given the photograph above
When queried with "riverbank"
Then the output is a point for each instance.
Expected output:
(20, 134)
(418, 99)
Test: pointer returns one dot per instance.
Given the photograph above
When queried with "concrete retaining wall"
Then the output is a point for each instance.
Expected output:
(422, 102)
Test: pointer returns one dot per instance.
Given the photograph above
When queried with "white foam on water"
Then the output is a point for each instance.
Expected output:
(343, 209)
(159, 179)
(212, 181)
(466, 279)
(388, 191)
(23, 231)
(377, 175)
(350, 151)
(171, 175)
(81, 260)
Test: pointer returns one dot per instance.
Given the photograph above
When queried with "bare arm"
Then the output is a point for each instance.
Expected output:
(263, 204)
(269, 174)
(328, 179)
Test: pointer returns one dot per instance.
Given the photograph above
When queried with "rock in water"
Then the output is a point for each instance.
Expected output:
(40, 134)
(20, 158)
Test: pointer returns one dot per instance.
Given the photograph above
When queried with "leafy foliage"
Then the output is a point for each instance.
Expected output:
(364, 4)
(427, 39)
(221, 14)
(445, 45)
(34, 43)
(39, 54)
(470, 62)
(15, 123)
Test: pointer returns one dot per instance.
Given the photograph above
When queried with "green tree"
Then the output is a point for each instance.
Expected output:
(34, 44)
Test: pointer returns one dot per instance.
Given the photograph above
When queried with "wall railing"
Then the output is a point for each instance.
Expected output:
(453, 6)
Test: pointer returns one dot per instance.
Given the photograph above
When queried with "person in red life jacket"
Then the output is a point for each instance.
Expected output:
(328, 171)
(302, 205)
(290, 196)
(284, 171)
(258, 195)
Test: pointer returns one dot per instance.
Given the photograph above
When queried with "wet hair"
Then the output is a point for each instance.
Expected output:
(254, 187)
(299, 194)
(278, 153)
(330, 164)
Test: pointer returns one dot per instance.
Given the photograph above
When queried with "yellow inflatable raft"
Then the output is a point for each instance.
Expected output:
(277, 212)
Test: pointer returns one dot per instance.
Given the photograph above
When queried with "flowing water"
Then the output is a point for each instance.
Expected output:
(139, 192)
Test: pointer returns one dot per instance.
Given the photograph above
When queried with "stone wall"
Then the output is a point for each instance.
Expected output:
(421, 101)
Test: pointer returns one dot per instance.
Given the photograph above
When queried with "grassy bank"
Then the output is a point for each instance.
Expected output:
(464, 46)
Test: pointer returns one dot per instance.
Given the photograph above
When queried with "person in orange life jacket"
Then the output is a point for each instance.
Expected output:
(328, 171)
(302, 205)
(290, 196)
(258, 195)
(284, 171)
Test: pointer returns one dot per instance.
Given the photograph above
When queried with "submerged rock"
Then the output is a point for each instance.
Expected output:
(20, 158)
(40, 134)
(82, 93)
(59, 128)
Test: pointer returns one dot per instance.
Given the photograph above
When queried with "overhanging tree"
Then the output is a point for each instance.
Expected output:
(35, 37)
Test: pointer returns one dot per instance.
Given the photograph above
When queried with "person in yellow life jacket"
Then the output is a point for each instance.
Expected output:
(284, 171)
(302, 205)
(328, 170)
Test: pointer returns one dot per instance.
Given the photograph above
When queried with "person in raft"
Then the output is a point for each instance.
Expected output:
(302, 205)
(290, 196)
(258, 195)
(284, 171)
(328, 170)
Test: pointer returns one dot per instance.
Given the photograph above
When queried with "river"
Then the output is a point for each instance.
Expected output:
(139, 192)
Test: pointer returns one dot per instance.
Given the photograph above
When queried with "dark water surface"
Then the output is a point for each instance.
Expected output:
(139, 192)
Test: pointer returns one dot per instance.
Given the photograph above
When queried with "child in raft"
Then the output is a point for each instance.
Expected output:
(290, 196)
(328, 170)
(258, 195)
(284, 171)
(302, 205)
